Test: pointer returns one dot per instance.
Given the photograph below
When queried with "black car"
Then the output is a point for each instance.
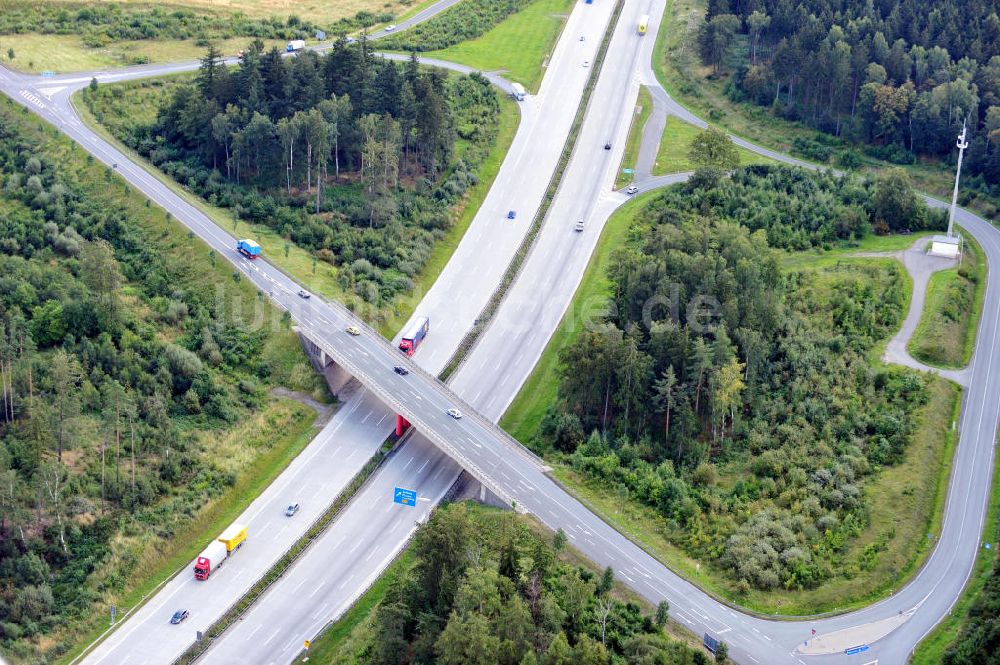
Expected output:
(607, 146)
(399, 369)
(179, 616)
(304, 294)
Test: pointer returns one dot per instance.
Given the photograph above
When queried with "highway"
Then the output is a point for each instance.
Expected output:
(505, 355)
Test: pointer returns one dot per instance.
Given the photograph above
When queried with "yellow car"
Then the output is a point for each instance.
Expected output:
(353, 330)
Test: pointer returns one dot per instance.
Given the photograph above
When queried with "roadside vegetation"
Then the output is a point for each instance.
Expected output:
(673, 155)
(969, 635)
(946, 333)
(480, 586)
(137, 416)
(361, 180)
(700, 481)
(519, 46)
(863, 95)
(643, 109)
(103, 23)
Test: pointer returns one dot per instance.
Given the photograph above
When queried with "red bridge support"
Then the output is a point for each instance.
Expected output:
(402, 424)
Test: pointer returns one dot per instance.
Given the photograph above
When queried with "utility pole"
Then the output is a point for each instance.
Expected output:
(961, 145)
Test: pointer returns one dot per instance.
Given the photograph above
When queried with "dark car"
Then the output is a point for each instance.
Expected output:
(304, 294)
(607, 146)
(179, 616)
(511, 215)
(399, 369)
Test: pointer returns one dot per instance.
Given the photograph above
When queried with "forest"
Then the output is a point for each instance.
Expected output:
(736, 398)
(900, 77)
(361, 160)
(486, 589)
(121, 355)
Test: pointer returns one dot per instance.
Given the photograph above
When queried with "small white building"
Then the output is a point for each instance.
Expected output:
(946, 246)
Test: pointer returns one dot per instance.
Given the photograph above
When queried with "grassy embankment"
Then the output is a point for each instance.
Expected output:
(254, 451)
(317, 276)
(519, 45)
(643, 109)
(681, 73)
(947, 329)
(933, 646)
(67, 53)
(907, 500)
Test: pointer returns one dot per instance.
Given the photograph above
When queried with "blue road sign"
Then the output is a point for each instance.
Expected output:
(628, 170)
(404, 496)
(856, 650)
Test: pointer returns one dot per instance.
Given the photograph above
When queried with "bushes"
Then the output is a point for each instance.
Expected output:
(750, 422)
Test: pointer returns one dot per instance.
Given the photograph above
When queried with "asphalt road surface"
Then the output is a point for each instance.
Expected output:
(908, 614)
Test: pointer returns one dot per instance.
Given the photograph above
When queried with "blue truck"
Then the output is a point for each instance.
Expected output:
(248, 248)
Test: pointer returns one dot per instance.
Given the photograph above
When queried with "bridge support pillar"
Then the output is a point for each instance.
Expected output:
(340, 382)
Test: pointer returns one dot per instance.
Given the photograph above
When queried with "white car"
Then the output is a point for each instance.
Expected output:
(454, 413)
(390, 28)
(586, 63)
(579, 225)
(632, 189)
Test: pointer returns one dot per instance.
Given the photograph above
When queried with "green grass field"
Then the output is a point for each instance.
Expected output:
(256, 450)
(67, 53)
(672, 157)
(946, 333)
(520, 45)
(644, 107)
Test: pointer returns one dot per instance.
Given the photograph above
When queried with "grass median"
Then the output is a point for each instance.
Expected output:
(947, 330)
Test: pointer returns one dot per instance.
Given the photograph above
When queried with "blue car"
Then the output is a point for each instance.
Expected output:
(511, 215)
(179, 616)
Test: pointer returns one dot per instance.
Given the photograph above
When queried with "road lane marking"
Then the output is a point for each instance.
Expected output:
(273, 635)
(252, 632)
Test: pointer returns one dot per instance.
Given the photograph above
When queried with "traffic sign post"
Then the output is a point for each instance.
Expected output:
(306, 647)
(404, 496)
(114, 613)
(853, 651)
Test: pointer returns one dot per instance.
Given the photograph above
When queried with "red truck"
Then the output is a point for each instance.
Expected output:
(414, 335)
(219, 551)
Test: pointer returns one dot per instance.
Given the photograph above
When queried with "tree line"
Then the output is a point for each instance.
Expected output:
(902, 76)
(357, 158)
(486, 590)
(715, 362)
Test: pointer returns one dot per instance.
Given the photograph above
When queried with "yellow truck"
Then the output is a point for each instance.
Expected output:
(219, 551)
